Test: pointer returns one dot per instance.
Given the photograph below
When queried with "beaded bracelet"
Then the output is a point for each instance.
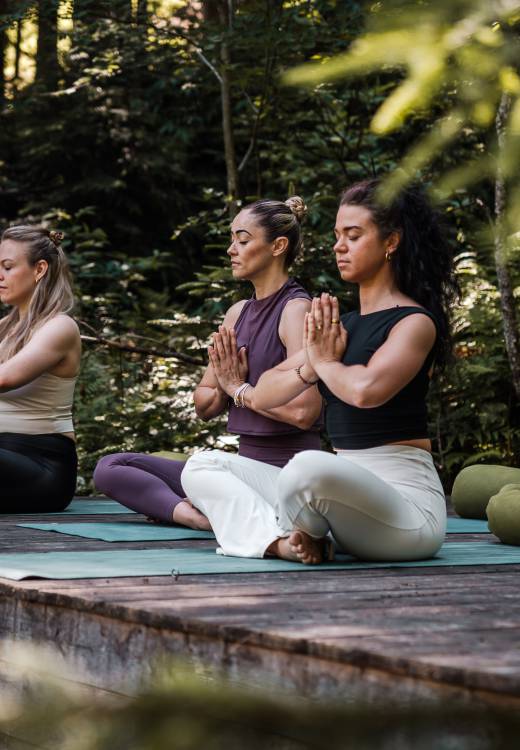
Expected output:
(307, 382)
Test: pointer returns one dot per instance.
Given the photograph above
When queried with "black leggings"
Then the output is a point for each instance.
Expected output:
(37, 472)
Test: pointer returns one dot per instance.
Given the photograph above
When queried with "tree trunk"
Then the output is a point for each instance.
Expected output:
(210, 10)
(225, 9)
(141, 15)
(47, 66)
(3, 47)
(505, 286)
(17, 51)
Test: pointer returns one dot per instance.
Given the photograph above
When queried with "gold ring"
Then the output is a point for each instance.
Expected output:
(334, 321)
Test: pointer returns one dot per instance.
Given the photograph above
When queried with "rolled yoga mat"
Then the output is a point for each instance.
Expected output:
(503, 513)
(475, 485)
(119, 563)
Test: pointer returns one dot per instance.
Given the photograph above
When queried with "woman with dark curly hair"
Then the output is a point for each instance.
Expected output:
(379, 497)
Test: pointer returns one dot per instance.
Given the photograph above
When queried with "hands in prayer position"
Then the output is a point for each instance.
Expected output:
(229, 365)
(324, 337)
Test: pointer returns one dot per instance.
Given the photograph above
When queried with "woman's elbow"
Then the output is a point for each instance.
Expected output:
(259, 404)
(6, 383)
(306, 421)
(201, 408)
(307, 416)
(366, 396)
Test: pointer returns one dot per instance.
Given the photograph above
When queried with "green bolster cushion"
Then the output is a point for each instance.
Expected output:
(476, 484)
(172, 455)
(503, 514)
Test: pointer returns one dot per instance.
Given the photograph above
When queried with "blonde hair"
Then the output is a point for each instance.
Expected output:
(52, 295)
(282, 219)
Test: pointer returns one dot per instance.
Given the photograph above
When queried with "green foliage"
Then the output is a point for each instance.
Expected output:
(466, 53)
(181, 711)
(126, 155)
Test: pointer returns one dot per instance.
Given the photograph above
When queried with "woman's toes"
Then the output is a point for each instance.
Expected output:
(307, 549)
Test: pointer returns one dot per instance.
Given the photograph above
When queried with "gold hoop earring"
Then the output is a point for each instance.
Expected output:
(388, 256)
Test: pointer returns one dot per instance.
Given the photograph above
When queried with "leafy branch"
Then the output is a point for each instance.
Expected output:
(98, 338)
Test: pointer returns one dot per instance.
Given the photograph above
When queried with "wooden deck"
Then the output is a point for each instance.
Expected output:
(412, 634)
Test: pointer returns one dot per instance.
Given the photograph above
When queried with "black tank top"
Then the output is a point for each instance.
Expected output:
(403, 417)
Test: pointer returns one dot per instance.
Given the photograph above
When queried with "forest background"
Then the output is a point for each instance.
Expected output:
(139, 127)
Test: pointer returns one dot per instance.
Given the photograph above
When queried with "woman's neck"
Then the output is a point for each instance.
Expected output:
(378, 295)
(22, 311)
(269, 283)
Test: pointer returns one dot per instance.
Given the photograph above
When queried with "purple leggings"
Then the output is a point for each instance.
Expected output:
(152, 485)
(146, 484)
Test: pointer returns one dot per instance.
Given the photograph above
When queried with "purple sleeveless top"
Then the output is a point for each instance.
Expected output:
(257, 326)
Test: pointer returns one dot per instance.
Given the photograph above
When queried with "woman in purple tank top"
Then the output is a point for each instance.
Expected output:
(256, 335)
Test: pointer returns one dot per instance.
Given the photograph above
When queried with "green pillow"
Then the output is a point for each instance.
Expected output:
(476, 484)
(503, 514)
(172, 455)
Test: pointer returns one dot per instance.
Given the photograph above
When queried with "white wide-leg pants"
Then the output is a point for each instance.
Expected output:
(384, 503)
(238, 496)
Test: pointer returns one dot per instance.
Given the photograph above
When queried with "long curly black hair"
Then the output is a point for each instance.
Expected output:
(423, 262)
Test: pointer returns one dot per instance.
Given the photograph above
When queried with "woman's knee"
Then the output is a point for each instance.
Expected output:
(303, 472)
(198, 463)
(102, 472)
(205, 460)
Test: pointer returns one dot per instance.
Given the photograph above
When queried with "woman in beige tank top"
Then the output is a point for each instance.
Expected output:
(40, 349)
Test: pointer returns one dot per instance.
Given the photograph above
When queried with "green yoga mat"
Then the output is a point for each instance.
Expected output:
(94, 507)
(162, 562)
(144, 532)
(122, 532)
(80, 507)
(467, 526)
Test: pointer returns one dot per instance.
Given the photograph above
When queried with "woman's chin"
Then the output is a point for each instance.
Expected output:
(238, 274)
(346, 274)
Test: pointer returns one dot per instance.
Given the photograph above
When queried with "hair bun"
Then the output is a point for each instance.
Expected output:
(297, 206)
(56, 237)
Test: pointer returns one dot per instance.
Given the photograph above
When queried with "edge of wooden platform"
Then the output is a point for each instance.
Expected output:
(39, 604)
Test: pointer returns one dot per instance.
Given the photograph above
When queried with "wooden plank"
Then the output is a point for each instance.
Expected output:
(432, 628)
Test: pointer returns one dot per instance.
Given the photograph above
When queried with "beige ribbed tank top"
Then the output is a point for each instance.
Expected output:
(40, 407)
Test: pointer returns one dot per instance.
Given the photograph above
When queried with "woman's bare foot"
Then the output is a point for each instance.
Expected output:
(298, 547)
(186, 514)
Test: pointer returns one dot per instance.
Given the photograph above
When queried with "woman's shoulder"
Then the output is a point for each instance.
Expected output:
(60, 325)
(294, 312)
(415, 312)
(296, 304)
(416, 322)
(233, 313)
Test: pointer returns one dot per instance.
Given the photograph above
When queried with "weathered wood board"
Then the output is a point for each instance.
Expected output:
(426, 633)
